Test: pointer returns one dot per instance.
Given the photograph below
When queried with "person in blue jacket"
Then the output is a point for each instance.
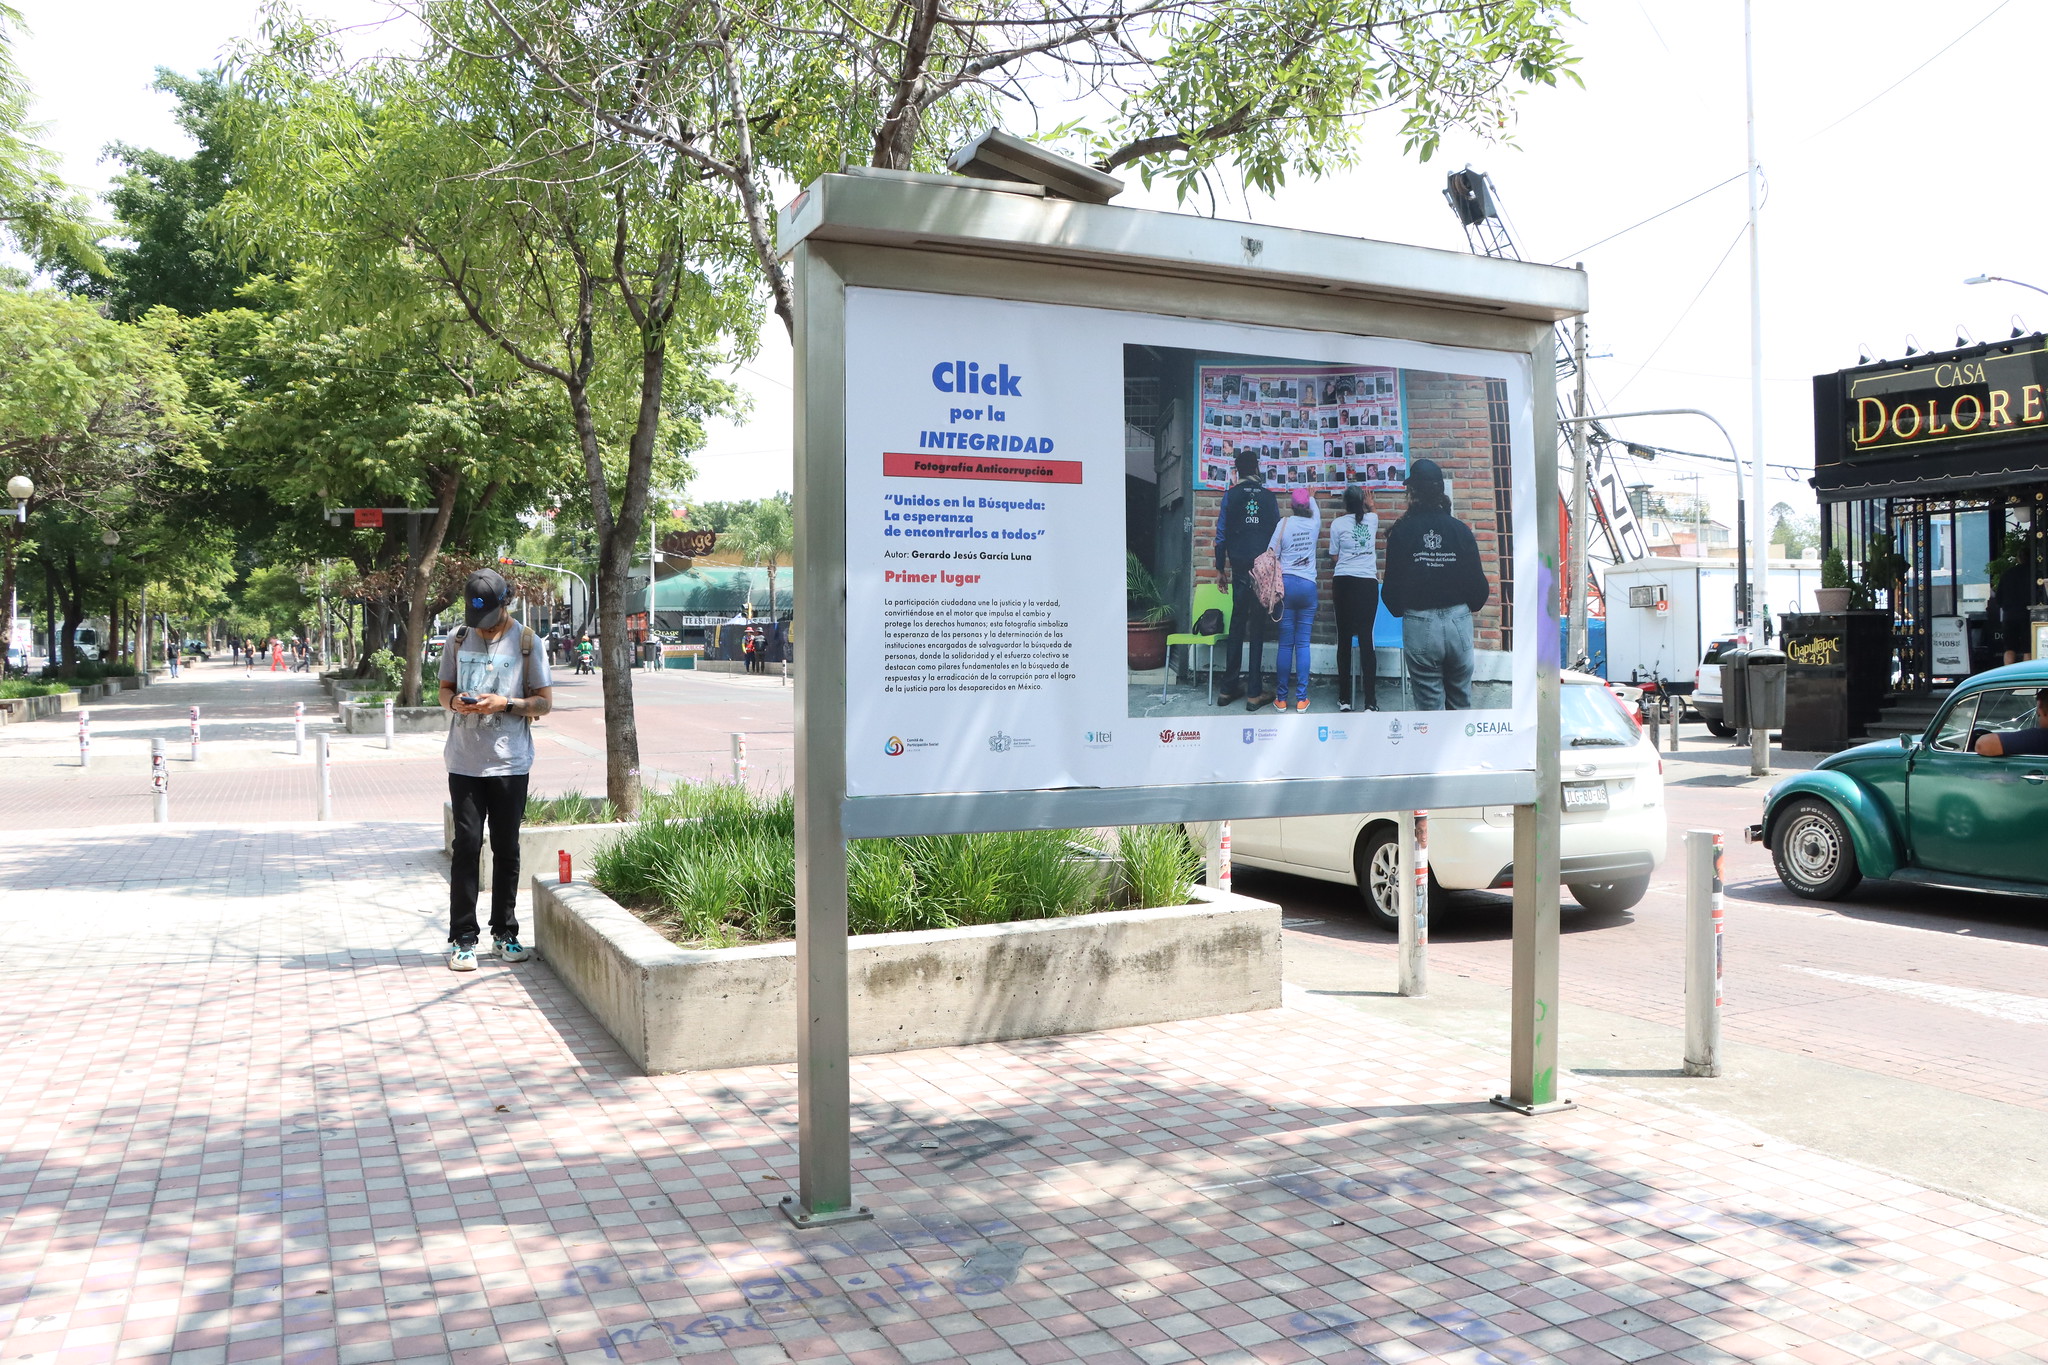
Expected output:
(1434, 581)
(1244, 528)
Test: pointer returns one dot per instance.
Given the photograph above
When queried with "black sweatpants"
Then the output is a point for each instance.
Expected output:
(1358, 608)
(1250, 624)
(501, 803)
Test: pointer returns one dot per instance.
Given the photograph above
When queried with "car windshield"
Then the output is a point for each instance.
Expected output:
(1589, 715)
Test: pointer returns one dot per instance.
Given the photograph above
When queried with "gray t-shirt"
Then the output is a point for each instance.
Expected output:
(500, 745)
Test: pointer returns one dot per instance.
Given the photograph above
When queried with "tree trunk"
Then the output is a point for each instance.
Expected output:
(8, 584)
(419, 581)
(74, 613)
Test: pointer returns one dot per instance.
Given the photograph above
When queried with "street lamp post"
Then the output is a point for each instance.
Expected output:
(556, 568)
(21, 488)
(1987, 279)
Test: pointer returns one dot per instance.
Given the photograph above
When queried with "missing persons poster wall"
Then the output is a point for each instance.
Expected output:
(1024, 480)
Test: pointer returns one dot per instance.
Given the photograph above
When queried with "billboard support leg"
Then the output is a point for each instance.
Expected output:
(823, 1083)
(1414, 905)
(1532, 1070)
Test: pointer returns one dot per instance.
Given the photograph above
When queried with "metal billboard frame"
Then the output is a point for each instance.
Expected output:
(980, 239)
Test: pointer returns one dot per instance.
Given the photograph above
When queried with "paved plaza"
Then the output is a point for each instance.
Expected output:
(248, 1115)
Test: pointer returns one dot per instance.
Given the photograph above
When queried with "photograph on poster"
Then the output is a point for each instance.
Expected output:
(1009, 464)
(1391, 564)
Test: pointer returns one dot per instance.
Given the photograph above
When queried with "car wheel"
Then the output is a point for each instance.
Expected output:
(1811, 847)
(1377, 865)
(1609, 897)
(1719, 730)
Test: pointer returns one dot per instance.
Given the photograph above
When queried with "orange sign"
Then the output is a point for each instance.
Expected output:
(369, 516)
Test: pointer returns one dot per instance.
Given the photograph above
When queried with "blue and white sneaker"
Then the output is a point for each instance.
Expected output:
(462, 957)
(512, 950)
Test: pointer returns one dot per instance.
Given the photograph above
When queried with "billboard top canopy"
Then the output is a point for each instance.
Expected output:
(1018, 221)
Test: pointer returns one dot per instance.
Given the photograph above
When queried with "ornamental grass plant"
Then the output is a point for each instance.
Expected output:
(13, 689)
(570, 808)
(713, 865)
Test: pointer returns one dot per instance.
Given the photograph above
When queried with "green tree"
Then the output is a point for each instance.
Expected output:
(752, 96)
(38, 212)
(409, 411)
(584, 261)
(1797, 532)
(170, 255)
(93, 411)
(767, 536)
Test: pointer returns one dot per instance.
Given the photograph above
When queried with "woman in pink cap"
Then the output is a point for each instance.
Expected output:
(1294, 544)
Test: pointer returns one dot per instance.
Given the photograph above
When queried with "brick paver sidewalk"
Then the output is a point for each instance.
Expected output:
(248, 1115)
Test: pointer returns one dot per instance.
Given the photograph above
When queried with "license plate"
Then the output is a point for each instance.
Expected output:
(1585, 796)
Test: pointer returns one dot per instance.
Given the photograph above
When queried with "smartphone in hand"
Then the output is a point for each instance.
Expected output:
(468, 699)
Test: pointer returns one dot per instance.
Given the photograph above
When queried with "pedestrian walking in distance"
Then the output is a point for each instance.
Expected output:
(1434, 582)
(494, 677)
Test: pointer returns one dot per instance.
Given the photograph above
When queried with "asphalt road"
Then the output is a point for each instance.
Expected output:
(1902, 1027)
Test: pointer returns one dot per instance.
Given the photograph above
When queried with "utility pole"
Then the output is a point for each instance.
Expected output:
(1581, 514)
(1760, 531)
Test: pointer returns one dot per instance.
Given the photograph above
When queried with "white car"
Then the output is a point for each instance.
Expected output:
(1613, 829)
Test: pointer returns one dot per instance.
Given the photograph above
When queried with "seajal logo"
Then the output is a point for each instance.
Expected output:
(1488, 727)
(894, 748)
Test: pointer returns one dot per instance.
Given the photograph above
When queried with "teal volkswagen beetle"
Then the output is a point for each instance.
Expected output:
(1929, 808)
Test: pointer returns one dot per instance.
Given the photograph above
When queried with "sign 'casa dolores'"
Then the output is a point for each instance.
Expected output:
(1949, 401)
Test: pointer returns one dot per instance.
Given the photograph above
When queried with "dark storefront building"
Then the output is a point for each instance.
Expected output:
(1932, 473)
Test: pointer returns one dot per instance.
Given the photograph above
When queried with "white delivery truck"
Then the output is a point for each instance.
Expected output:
(1666, 616)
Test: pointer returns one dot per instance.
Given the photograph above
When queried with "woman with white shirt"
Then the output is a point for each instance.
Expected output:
(1355, 583)
(1294, 544)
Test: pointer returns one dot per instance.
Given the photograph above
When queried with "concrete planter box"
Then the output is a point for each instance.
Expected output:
(539, 845)
(405, 720)
(674, 1009)
(16, 710)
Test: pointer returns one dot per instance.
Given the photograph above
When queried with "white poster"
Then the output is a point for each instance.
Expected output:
(1020, 476)
(1951, 647)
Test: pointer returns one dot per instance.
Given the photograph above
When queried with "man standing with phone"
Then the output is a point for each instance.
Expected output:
(494, 677)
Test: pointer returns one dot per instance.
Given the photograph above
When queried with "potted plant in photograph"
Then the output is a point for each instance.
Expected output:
(1833, 594)
(1149, 619)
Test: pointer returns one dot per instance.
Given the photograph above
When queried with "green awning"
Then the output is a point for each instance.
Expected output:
(720, 590)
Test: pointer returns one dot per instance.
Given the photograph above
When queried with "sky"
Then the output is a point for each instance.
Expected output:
(1895, 169)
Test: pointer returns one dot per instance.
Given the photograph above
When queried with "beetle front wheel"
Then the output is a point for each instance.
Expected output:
(1813, 852)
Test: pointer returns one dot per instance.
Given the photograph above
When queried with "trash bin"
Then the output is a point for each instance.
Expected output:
(1766, 669)
(1735, 688)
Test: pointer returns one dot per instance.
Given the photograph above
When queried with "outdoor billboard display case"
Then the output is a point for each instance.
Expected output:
(1009, 405)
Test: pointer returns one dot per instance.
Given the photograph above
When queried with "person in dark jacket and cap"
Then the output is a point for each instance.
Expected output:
(1434, 581)
(1244, 528)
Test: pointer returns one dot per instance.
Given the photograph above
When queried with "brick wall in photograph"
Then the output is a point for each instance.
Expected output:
(1450, 420)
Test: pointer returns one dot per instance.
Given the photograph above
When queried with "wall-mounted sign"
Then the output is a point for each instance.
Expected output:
(1943, 403)
(1951, 648)
(689, 544)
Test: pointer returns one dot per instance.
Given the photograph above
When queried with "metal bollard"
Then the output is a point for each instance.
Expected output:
(739, 756)
(1702, 952)
(390, 724)
(298, 729)
(1650, 714)
(84, 738)
(160, 781)
(323, 799)
(1414, 905)
(1216, 857)
(1677, 705)
(195, 735)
